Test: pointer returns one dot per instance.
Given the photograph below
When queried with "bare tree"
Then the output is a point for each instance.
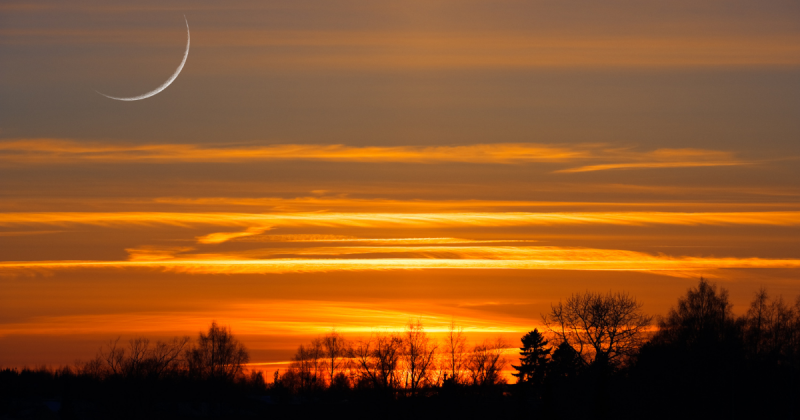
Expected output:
(455, 351)
(377, 359)
(608, 328)
(139, 359)
(486, 363)
(217, 354)
(767, 328)
(95, 367)
(335, 349)
(136, 362)
(756, 321)
(307, 365)
(419, 355)
(794, 336)
(166, 356)
(114, 357)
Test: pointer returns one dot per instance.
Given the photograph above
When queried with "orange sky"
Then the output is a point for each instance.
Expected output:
(355, 165)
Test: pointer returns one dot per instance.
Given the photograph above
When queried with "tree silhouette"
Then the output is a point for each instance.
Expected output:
(533, 360)
(140, 359)
(768, 329)
(378, 358)
(696, 356)
(565, 361)
(702, 318)
(455, 349)
(306, 367)
(702, 363)
(418, 356)
(607, 327)
(336, 350)
(217, 355)
(486, 362)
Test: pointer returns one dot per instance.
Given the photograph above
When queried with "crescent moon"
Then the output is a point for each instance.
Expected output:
(165, 84)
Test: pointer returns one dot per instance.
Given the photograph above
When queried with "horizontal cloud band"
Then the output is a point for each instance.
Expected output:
(265, 221)
(598, 157)
(645, 263)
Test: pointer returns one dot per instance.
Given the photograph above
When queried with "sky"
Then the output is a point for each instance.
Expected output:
(355, 165)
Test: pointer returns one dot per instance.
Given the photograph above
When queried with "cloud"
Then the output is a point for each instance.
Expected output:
(47, 151)
(220, 237)
(649, 165)
(378, 205)
(667, 158)
(402, 220)
(55, 151)
(155, 253)
(374, 241)
(485, 257)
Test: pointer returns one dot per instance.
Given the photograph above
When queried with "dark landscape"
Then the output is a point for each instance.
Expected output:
(597, 359)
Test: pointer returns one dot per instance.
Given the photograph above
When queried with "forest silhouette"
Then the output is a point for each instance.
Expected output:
(598, 356)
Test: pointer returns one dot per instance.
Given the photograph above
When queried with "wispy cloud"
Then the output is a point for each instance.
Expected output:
(220, 237)
(650, 165)
(345, 203)
(581, 259)
(156, 253)
(401, 220)
(64, 151)
(666, 158)
(535, 257)
(54, 151)
(373, 241)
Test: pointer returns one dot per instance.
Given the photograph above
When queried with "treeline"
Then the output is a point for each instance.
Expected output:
(180, 378)
(599, 356)
(215, 356)
(394, 364)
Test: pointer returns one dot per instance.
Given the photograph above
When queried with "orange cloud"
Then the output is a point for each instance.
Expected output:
(64, 151)
(649, 165)
(380, 205)
(667, 158)
(155, 253)
(533, 258)
(382, 241)
(397, 220)
(220, 237)
(49, 151)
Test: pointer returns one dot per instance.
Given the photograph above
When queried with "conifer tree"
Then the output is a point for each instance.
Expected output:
(533, 360)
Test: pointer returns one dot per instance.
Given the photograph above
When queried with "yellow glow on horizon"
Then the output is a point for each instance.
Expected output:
(283, 318)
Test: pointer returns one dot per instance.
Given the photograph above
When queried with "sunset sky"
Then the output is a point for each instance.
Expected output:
(359, 164)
